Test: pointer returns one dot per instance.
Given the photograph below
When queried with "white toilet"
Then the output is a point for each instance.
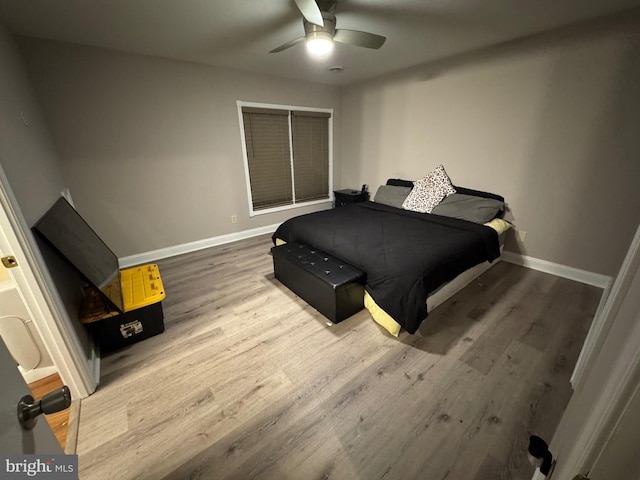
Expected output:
(20, 334)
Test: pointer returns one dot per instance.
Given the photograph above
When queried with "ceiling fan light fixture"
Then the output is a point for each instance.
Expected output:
(319, 44)
(320, 31)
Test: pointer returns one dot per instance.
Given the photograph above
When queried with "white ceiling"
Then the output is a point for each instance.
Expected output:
(239, 33)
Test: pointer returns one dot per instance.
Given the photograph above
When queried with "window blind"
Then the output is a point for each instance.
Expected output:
(287, 156)
(267, 142)
(310, 135)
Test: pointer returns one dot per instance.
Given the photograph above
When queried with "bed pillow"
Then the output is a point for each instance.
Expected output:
(429, 191)
(391, 195)
(467, 191)
(397, 182)
(478, 193)
(469, 207)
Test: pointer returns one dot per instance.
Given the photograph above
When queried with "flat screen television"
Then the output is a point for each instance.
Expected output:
(67, 232)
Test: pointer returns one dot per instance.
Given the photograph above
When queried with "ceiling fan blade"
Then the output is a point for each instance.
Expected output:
(361, 39)
(287, 45)
(310, 11)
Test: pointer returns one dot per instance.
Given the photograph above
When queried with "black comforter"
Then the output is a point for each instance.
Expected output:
(406, 255)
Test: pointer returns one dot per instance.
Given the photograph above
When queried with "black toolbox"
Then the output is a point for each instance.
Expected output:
(142, 292)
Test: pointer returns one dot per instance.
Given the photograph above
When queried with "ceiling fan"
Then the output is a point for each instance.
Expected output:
(320, 30)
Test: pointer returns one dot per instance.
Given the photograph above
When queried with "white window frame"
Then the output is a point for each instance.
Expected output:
(289, 108)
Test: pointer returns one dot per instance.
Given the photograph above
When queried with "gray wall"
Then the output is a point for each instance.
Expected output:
(150, 148)
(550, 122)
(30, 162)
(27, 153)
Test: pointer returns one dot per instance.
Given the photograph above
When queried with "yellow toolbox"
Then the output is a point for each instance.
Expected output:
(142, 293)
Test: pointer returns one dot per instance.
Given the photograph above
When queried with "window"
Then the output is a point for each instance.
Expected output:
(287, 152)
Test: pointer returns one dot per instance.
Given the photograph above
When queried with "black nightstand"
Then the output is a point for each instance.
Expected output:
(347, 197)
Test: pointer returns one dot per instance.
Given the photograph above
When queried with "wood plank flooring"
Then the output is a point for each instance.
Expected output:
(59, 422)
(248, 381)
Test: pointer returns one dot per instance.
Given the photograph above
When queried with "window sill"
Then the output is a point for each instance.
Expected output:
(253, 213)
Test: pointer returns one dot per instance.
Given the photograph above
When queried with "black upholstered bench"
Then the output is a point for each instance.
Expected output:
(329, 285)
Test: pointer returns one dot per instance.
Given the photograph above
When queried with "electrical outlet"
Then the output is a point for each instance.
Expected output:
(521, 235)
(234, 219)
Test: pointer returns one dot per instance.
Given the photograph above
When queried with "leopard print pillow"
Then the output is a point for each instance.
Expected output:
(429, 191)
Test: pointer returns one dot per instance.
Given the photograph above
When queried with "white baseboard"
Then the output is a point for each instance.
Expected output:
(154, 255)
(582, 276)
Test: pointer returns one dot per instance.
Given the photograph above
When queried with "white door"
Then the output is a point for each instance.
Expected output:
(79, 373)
(13, 438)
(619, 457)
(599, 433)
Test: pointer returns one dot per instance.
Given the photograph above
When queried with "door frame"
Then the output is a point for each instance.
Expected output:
(602, 399)
(36, 287)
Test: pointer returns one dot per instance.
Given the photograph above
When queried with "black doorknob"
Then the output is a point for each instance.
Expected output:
(52, 402)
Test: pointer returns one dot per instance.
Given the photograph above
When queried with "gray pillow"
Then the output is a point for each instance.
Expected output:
(469, 207)
(391, 195)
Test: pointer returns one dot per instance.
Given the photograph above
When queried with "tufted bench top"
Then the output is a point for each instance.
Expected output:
(331, 286)
(330, 269)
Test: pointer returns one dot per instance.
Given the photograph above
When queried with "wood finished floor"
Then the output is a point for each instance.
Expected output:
(248, 381)
(59, 421)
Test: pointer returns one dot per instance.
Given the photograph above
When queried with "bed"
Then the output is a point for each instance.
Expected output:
(406, 255)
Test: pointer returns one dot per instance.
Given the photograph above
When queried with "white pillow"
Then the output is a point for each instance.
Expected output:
(429, 191)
